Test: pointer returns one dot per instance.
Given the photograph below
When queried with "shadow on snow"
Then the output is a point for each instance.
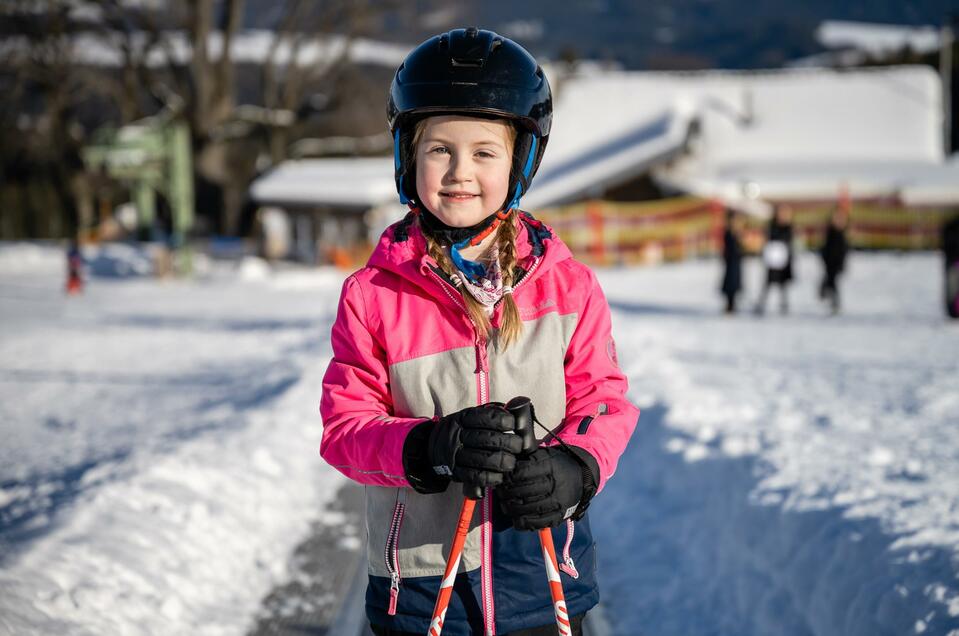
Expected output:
(683, 549)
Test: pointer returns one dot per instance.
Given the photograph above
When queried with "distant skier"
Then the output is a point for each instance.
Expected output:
(778, 258)
(950, 253)
(466, 303)
(732, 260)
(74, 284)
(834, 250)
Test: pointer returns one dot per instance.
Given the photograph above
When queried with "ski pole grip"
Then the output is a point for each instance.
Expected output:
(471, 491)
(521, 408)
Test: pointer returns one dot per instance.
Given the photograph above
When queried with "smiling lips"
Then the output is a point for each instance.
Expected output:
(458, 196)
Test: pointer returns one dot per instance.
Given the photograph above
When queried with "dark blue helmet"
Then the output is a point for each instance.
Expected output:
(472, 72)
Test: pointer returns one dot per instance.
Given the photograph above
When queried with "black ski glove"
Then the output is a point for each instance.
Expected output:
(475, 446)
(549, 486)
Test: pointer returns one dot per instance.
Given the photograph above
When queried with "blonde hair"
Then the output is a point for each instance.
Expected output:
(510, 324)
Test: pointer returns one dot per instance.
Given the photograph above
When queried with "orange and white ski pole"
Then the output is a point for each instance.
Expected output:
(452, 563)
(555, 585)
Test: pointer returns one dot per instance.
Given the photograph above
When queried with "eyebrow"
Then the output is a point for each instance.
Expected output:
(492, 141)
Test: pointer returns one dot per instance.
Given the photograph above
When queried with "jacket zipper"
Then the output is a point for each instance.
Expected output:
(486, 570)
(567, 565)
(393, 551)
(486, 573)
(532, 268)
(482, 385)
(482, 379)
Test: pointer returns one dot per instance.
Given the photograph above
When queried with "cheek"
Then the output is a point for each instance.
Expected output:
(426, 178)
(498, 182)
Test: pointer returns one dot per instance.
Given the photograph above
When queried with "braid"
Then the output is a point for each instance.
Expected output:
(511, 325)
(476, 311)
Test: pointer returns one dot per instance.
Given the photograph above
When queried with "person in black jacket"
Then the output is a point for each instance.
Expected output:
(778, 258)
(834, 250)
(732, 259)
(950, 253)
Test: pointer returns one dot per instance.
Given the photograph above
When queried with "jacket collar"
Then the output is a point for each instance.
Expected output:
(402, 248)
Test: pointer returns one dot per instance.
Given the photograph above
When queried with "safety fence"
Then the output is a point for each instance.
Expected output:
(616, 233)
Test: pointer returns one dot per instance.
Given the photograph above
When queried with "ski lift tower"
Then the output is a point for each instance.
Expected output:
(152, 156)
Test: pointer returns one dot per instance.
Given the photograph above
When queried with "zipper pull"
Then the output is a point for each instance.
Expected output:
(567, 565)
(394, 593)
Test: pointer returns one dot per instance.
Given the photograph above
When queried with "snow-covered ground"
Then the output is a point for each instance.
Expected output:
(790, 474)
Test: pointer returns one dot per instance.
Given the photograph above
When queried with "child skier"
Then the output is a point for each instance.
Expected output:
(466, 303)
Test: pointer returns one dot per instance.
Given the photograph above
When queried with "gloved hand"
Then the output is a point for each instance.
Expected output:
(549, 486)
(475, 446)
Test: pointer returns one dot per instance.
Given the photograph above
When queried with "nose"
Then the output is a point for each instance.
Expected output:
(460, 170)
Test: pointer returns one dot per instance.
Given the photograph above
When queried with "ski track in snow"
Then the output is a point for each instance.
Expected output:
(160, 457)
(789, 475)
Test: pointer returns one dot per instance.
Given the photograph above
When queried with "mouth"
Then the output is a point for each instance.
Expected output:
(458, 196)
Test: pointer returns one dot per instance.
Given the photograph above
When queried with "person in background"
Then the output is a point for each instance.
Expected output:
(834, 250)
(778, 258)
(950, 253)
(74, 269)
(732, 259)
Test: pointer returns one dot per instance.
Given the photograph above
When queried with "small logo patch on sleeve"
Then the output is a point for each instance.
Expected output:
(611, 351)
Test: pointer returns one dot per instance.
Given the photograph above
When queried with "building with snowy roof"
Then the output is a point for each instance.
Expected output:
(745, 140)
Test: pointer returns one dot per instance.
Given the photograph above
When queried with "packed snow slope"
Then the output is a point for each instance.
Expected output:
(789, 475)
(793, 474)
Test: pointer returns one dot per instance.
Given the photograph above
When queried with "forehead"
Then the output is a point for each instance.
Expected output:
(467, 129)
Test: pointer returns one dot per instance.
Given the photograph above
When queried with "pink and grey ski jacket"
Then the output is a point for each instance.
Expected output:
(405, 350)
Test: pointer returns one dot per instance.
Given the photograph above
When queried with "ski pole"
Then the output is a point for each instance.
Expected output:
(522, 410)
(453, 561)
(470, 495)
(555, 585)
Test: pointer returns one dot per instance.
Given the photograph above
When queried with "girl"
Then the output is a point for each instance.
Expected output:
(466, 303)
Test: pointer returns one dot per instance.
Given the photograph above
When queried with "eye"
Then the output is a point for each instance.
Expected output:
(440, 150)
(486, 154)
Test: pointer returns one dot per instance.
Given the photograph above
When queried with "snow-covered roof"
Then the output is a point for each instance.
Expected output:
(251, 46)
(799, 132)
(938, 186)
(739, 136)
(358, 183)
(877, 39)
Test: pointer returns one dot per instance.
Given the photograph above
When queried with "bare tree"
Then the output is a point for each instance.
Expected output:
(178, 56)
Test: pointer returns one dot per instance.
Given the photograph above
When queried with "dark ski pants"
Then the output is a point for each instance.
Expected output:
(829, 290)
(576, 622)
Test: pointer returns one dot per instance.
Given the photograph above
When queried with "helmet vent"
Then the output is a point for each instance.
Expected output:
(473, 62)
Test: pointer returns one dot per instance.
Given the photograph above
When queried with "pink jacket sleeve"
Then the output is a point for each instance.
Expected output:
(361, 438)
(599, 418)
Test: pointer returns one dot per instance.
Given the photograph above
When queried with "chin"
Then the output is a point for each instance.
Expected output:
(460, 218)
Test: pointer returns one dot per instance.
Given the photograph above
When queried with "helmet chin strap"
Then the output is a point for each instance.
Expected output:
(459, 238)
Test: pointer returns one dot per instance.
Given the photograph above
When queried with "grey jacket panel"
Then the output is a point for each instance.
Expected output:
(532, 368)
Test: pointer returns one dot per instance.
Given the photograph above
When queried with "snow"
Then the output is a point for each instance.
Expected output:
(251, 46)
(353, 183)
(159, 460)
(790, 132)
(789, 475)
(878, 39)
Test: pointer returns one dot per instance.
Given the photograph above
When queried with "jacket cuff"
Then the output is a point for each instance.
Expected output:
(416, 461)
(590, 468)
